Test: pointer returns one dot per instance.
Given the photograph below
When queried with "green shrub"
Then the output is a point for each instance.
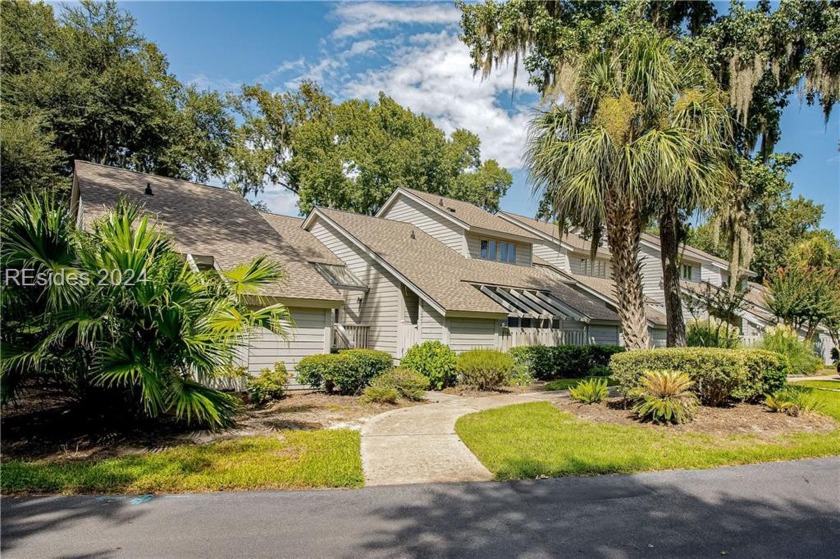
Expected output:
(712, 333)
(408, 383)
(433, 360)
(347, 372)
(564, 361)
(785, 341)
(718, 374)
(590, 391)
(665, 397)
(484, 369)
(380, 394)
(792, 400)
(270, 384)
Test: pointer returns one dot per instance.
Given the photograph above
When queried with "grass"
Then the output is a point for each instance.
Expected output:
(537, 439)
(566, 383)
(293, 460)
(832, 384)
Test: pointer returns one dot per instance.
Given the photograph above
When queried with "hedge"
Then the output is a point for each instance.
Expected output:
(485, 369)
(347, 372)
(718, 374)
(434, 360)
(564, 361)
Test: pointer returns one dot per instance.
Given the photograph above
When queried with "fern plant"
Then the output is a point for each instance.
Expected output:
(591, 391)
(792, 400)
(665, 397)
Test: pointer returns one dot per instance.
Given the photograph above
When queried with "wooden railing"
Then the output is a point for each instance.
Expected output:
(346, 336)
(515, 337)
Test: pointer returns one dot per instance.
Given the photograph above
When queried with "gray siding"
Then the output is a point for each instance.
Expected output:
(659, 337)
(711, 274)
(426, 220)
(576, 265)
(523, 250)
(381, 305)
(652, 274)
(472, 333)
(604, 334)
(432, 324)
(552, 254)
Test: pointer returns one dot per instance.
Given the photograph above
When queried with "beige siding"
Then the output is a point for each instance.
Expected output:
(603, 334)
(431, 324)
(409, 211)
(308, 336)
(552, 254)
(472, 333)
(576, 265)
(523, 250)
(659, 336)
(380, 306)
(710, 274)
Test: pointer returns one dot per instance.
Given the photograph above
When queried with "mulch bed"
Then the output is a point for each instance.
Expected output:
(737, 419)
(44, 424)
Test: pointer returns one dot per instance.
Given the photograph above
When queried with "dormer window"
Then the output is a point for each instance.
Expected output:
(499, 251)
(687, 272)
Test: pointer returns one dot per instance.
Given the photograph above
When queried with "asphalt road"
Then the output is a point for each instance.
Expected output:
(765, 511)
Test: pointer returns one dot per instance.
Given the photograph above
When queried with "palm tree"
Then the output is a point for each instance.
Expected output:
(148, 328)
(629, 139)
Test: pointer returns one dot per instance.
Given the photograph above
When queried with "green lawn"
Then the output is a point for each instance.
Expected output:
(566, 383)
(834, 384)
(531, 440)
(302, 459)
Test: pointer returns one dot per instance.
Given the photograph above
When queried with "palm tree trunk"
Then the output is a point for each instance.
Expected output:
(624, 227)
(669, 249)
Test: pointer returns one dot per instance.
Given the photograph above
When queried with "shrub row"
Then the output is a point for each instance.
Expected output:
(565, 361)
(434, 360)
(346, 372)
(484, 369)
(718, 374)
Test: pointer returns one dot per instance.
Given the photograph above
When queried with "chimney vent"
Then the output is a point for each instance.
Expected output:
(148, 191)
(412, 234)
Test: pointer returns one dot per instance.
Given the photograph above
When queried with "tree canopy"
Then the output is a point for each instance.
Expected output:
(352, 155)
(84, 84)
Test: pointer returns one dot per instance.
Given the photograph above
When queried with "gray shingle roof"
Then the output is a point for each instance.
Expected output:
(308, 246)
(607, 288)
(446, 276)
(471, 214)
(204, 220)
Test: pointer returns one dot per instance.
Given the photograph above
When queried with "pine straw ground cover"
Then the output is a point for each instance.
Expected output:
(543, 440)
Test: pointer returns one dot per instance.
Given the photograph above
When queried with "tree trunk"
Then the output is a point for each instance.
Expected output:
(624, 227)
(669, 252)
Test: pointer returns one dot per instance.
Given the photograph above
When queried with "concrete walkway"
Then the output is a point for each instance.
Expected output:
(419, 444)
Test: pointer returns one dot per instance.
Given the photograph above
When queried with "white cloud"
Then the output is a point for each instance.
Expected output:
(361, 47)
(281, 69)
(279, 200)
(432, 76)
(360, 18)
(217, 83)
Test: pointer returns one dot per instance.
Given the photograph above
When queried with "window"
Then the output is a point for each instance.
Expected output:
(590, 268)
(498, 250)
(687, 272)
(513, 322)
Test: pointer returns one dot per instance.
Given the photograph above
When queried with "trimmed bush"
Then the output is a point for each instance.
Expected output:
(408, 383)
(718, 374)
(434, 360)
(712, 333)
(484, 369)
(792, 400)
(347, 372)
(590, 391)
(665, 397)
(270, 384)
(785, 341)
(380, 394)
(564, 361)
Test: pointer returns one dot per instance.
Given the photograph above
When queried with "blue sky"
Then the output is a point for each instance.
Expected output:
(411, 52)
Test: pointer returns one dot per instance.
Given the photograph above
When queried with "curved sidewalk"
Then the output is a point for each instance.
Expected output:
(419, 444)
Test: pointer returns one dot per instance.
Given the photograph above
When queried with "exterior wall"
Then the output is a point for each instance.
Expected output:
(659, 337)
(652, 274)
(576, 266)
(553, 255)
(409, 211)
(523, 250)
(432, 324)
(604, 334)
(380, 307)
(309, 336)
(471, 333)
(711, 275)
(823, 346)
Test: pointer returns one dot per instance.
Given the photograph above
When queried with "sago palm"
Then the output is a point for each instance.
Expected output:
(626, 137)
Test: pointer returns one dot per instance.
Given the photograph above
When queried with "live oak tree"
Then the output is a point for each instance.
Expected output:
(352, 155)
(84, 84)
